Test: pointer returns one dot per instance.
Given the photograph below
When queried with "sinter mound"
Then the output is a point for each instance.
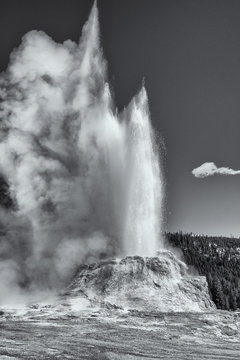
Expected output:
(152, 283)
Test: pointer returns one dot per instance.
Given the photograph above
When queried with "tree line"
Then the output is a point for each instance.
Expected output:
(217, 258)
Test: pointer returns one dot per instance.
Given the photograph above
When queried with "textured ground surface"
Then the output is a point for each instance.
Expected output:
(108, 334)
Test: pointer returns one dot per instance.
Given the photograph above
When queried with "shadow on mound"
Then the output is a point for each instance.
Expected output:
(150, 284)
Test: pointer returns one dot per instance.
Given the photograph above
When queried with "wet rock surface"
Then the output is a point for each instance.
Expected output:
(62, 333)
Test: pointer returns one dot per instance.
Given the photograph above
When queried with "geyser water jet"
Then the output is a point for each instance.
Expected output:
(84, 180)
(142, 229)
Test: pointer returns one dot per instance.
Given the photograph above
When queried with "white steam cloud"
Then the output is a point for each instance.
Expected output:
(84, 180)
(209, 169)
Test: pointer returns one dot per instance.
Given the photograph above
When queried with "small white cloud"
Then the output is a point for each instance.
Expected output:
(209, 169)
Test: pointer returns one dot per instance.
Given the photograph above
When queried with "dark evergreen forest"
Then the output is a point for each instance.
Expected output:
(218, 258)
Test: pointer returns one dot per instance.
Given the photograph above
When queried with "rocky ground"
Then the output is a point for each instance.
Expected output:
(47, 333)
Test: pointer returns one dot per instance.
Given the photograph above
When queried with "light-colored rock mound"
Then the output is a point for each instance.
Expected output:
(155, 284)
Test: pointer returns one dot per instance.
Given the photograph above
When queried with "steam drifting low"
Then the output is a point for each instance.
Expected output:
(209, 169)
(84, 181)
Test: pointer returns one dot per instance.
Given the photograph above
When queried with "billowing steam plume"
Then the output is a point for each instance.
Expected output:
(84, 181)
(209, 169)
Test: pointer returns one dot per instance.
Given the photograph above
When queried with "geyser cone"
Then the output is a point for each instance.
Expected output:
(142, 283)
(85, 181)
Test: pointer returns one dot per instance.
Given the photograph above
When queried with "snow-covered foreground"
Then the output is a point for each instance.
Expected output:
(48, 333)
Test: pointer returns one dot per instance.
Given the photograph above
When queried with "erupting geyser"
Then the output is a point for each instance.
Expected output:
(142, 226)
(84, 180)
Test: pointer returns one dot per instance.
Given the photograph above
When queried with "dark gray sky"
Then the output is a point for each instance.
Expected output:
(189, 53)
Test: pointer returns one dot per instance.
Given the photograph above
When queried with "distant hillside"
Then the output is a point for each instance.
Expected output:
(218, 258)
